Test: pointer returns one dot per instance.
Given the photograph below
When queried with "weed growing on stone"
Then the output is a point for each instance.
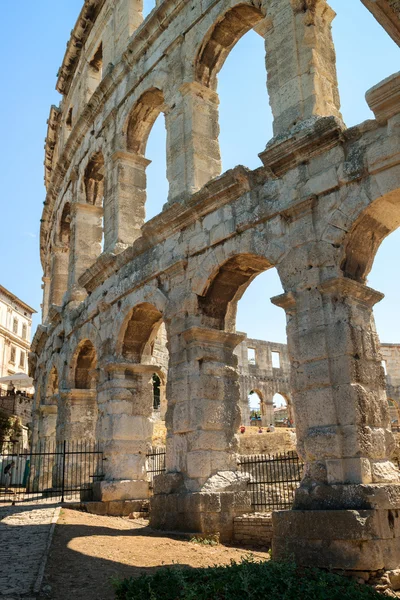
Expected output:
(247, 579)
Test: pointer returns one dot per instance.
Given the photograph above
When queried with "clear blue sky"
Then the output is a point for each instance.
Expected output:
(34, 36)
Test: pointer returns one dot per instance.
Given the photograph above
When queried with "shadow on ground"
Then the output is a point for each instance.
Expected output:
(88, 552)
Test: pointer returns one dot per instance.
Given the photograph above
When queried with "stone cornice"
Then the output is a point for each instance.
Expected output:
(216, 337)
(84, 25)
(352, 290)
(306, 140)
(216, 193)
(50, 144)
(384, 98)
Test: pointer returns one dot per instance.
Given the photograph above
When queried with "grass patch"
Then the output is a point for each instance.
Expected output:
(245, 580)
(206, 540)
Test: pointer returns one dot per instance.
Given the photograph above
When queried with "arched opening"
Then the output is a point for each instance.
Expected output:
(255, 408)
(237, 300)
(221, 39)
(283, 413)
(371, 258)
(224, 290)
(245, 119)
(359, 54)
(146, 138)
(156, 392)
(85, 369)
(64, 232)
(140, 333)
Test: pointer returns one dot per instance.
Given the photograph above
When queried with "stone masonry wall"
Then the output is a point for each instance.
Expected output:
(317, 210)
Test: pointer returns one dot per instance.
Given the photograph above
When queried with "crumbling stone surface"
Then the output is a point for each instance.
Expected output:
(317, 211)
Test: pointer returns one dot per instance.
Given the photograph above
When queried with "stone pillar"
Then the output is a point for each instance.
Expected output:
(59, 274)
(124, 205)
(125, 430)
(42, 465)
(351, 490)
(301, 62)
(77, 416)
(193, 154)
(47, 423)
(46, 297)
(201, 491)
(86, 237)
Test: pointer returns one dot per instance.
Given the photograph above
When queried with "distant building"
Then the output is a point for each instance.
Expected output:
(15, 334)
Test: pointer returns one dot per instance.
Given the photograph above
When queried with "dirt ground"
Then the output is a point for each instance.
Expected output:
(88, 551)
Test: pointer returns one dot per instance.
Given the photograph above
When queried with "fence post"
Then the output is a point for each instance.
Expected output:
(63, 474)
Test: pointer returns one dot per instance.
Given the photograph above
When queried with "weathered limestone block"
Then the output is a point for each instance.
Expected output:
(348, 540)
(384, 98)
(301, 63)
(77, 415)
(193, 155)
(86, 237)
(59, 275)
(125, 430)
(202, 430)
(124, 207)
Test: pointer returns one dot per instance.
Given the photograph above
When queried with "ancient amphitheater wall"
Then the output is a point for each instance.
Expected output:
(316, 210)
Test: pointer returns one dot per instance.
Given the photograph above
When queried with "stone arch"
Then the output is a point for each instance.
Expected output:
(289, 403)
(226, 285)
(141, 120)
(84, 366)
(220, 40)
(373, 225)
(139, 331)
(93, 180)
(147, 295)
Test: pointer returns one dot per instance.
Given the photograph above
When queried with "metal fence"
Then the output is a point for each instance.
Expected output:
(155, 464)
(273, 479)
(55, 472)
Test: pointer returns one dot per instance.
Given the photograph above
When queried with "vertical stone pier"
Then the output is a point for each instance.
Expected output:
(201, 490)
(346, 513)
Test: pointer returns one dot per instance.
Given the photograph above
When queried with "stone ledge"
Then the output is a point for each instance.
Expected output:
(338, 539)
(384, 98)
(306, 140)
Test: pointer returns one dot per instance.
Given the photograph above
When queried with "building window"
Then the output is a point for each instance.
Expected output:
(276, 360)
(15, 326)
(24, 331)
(13, 354)
(251, 356)
(22, 359)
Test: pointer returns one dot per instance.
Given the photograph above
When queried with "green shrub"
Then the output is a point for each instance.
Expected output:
(246, 580)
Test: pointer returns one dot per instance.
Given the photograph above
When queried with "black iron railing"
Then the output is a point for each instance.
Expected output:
(273, 479)
(155, 464)
(59, 472)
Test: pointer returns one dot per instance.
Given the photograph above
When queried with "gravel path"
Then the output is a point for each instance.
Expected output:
(24, 538)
